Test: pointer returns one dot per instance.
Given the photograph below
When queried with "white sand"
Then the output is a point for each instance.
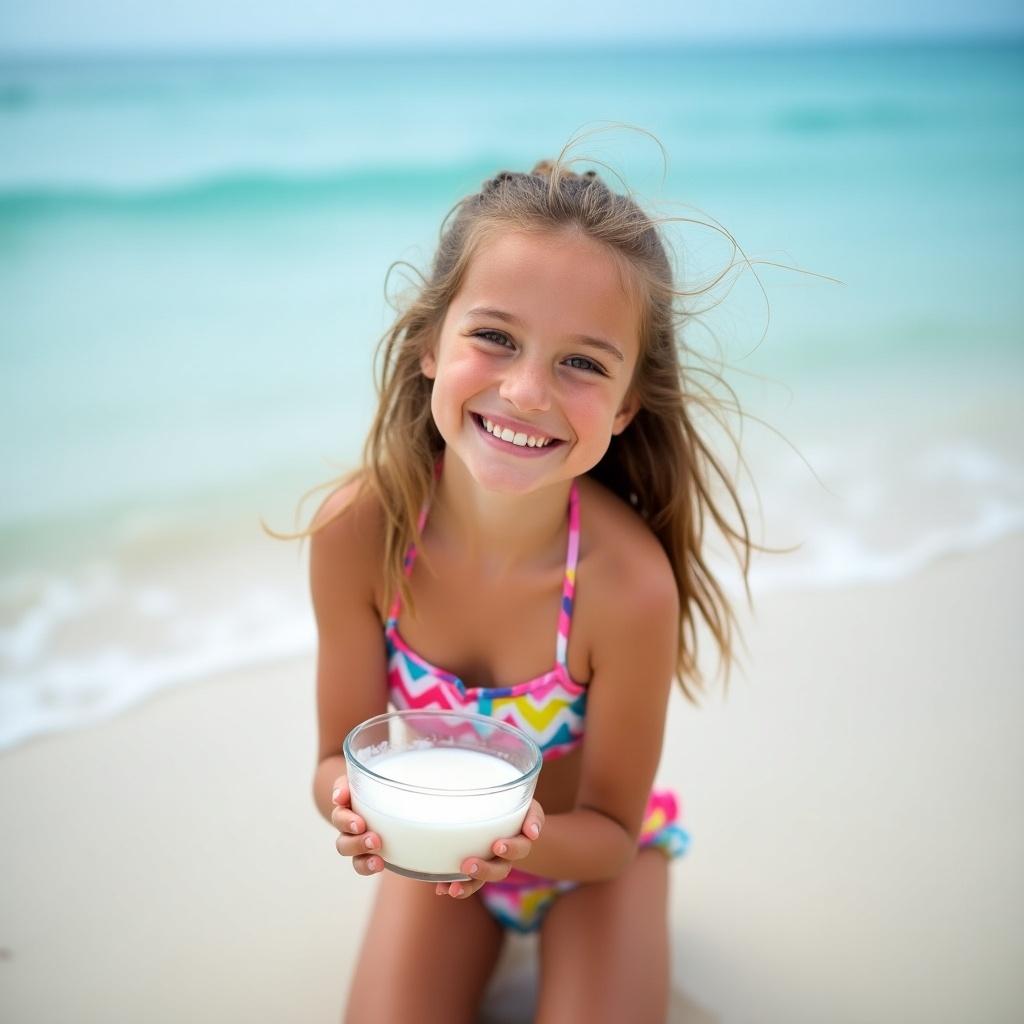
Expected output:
(856, 857)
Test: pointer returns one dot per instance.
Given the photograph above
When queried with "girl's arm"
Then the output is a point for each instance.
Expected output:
(351, 679)
(634, 662)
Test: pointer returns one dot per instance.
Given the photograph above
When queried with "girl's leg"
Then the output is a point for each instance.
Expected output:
(424, 957)
(604, 953)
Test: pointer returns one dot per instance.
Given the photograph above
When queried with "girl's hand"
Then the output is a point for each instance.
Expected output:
(353, 839)
(506, 853)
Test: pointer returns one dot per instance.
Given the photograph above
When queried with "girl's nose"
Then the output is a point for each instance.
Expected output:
(526, 386)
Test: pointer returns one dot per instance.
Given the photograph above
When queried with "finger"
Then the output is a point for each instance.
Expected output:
(463, 890)
(367, 865)
(492, 870)
(513, 848)
(345, 820)
(354, 846)
(534, 823)
(339, 791)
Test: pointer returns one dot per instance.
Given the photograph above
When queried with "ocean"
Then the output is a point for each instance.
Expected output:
(194, 257)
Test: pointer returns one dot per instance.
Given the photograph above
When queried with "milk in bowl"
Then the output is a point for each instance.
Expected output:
(440, 786)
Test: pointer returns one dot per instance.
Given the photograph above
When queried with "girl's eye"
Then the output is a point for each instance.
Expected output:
(489, 335)
(581, 363)
(576, 362)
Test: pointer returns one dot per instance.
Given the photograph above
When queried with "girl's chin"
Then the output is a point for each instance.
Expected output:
(497, 477)
(502, 480)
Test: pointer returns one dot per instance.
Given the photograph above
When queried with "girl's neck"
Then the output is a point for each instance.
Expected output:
(502, 532)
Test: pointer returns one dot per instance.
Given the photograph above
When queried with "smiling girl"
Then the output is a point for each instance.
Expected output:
(529, 515)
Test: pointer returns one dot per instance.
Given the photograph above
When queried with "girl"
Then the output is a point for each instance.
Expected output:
(530, 507)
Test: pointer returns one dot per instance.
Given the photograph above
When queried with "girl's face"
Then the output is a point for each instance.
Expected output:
(538, 347)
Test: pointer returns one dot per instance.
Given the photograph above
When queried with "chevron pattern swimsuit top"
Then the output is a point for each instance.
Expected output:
(550, 708)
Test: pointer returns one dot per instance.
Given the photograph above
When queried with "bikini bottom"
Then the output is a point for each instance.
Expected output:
(522, 900)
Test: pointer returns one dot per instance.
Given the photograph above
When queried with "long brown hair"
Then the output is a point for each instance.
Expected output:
(660, 464)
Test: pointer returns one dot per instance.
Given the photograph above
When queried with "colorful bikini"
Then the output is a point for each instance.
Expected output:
(550, 708)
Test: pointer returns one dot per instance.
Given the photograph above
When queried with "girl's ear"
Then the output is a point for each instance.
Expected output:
(428, 364)
(629, 408)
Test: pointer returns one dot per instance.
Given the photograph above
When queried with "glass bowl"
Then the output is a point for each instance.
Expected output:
(439, 786)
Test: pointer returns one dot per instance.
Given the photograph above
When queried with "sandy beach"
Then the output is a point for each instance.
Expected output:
(852, 805)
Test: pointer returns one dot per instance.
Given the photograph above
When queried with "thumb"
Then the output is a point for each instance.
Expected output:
(339, 791)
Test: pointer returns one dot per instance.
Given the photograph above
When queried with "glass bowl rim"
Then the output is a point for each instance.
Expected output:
(408, 787)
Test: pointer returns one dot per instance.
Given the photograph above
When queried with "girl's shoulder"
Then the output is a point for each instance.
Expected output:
(620, 556)
(350, 510)
(348, 538)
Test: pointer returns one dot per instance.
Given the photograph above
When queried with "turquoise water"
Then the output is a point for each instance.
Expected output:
(192, 269)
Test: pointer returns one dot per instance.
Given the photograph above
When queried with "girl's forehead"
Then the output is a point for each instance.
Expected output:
(544, 279)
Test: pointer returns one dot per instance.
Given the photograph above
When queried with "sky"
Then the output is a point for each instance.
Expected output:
(115, 25)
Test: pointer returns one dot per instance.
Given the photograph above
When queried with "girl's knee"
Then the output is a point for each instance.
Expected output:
(618, 935)
(423, 957)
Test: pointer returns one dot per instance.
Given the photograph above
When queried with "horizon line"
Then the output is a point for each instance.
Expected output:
(439, 47)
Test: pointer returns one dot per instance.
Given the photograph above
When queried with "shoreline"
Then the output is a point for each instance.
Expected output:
(115, 638)
(852, 802)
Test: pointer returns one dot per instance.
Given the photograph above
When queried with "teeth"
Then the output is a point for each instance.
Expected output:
(521, 440)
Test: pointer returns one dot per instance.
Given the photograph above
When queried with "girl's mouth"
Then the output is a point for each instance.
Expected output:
(514, 443)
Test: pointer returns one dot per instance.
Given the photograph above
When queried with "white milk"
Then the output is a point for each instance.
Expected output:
(433, 833)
